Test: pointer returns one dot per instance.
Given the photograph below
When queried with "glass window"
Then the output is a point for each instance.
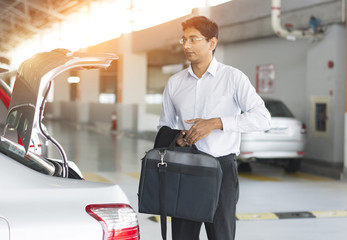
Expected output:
(278, 109)
(17, 153)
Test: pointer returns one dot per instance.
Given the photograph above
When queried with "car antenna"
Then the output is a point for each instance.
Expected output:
(65, 172)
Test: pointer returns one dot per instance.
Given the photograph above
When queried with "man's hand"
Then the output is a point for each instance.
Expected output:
(181, 141)
(201, 128)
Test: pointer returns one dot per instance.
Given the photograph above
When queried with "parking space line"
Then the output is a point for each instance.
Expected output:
(329, 214)
(256, 216)
(259, 177)
(90, 176)
(156, 218)
(278, 215)
(133, 174)
(308, 177)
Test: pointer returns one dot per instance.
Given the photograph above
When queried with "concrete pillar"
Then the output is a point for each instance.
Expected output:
(89, 85)
(131, 83)
(61, 93)
(62, 88)
(133, 72)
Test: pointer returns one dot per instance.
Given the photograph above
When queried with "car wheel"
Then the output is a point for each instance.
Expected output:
(293, 165)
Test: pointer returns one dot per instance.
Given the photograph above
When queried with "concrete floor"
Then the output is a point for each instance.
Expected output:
(312, 207)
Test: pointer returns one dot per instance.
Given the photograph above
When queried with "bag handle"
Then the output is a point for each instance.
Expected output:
(172, 145)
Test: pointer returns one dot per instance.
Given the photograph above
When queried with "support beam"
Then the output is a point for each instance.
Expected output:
(47, 11)
(6, 8)
(23, 21)
(11, 9)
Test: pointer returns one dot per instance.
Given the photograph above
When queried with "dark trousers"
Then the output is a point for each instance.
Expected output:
(224, 222)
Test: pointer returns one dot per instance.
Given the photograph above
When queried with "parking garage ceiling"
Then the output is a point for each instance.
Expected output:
(21, 19)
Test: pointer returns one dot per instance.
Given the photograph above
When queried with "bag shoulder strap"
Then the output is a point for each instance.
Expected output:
(162, 193)
(162, 199)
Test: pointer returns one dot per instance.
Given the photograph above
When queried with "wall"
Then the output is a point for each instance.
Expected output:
(289, 59)
(95, 114)
(301, 72)
(329, 83)
(148, 120)
(157, 79)
(241, 20)
(126, 116)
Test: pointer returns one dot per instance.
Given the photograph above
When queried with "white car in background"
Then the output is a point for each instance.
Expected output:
(284, 143)
(45, 198)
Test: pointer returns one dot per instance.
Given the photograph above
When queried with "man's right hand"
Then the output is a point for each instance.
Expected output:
(180, 141)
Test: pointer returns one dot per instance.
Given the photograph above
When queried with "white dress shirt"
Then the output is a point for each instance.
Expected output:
(222, 92)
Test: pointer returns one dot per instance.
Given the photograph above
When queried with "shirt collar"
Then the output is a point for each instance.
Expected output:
(212, 68)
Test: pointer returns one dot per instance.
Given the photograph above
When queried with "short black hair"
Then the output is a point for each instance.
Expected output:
(206, 27)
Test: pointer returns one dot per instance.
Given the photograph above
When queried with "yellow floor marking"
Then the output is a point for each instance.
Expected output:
(329, 214)
(269, 216)
(308, 176)
(156, 218)
(133, 174)
(259, 177)
(245, 175)
(89, 176)
(256, 216)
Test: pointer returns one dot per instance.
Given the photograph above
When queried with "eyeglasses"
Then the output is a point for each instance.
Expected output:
(191, 40)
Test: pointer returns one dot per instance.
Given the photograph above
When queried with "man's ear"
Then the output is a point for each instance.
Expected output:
(213, 43)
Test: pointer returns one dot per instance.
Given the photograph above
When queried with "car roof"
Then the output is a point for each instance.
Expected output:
(267, 99)
(33, 78)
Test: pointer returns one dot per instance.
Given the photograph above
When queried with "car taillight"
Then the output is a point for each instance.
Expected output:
(246, 153)
(303, 128)
(119, 221)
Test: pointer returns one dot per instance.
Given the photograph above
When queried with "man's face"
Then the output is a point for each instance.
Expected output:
(198, 50)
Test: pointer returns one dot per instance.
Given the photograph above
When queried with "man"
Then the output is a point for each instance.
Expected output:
(205, 101)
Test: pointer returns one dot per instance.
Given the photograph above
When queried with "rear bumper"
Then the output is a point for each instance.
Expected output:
(273, 155)
(271, 150)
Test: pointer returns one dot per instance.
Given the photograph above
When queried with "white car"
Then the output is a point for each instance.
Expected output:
(284, 143)
(48, 199)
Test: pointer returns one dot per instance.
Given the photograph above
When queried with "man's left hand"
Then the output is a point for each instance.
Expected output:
(201, 128)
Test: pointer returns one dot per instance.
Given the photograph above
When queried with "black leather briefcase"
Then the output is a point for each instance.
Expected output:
(180, 182)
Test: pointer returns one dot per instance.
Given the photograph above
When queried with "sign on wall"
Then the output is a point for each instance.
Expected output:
(265, 78)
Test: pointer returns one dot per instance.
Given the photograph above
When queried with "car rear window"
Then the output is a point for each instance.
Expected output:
(278, 109)
(29, 159)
